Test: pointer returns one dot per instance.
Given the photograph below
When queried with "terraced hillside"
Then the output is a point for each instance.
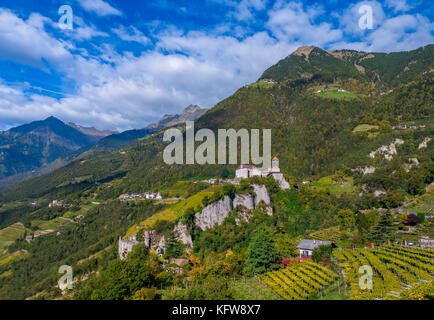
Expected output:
(395, 269)
(297, 282)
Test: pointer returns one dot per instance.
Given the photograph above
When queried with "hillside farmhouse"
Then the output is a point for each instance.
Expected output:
(306, 247)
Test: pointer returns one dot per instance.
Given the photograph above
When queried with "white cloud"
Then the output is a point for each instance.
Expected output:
(130, 33)
(289, 22)
(349, 21)
(82, 31)
(27, 42)
(100, 7)
(398, 5)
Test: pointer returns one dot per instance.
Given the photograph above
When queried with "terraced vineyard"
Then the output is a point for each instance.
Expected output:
(394, 268)
(330, 234)
(297, 282)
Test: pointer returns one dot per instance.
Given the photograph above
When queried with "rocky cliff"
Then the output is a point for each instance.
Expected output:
(213, 214)
(183, 235)
(245, 200)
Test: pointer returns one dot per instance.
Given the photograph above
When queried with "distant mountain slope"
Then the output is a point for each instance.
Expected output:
(312, 63)
(91, 131)
(116, 141)
(31, 146)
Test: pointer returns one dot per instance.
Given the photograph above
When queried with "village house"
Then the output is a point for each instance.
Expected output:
(139, 196)
(426, 242)
(306, 246)
(58, 203)
(179, 262)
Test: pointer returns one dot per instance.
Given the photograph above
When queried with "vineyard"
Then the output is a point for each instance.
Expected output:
(395, 269)
(331, 234)
(297, 282)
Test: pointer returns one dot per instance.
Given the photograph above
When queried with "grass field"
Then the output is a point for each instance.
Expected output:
(6, 257)
(10, 234)
(55, 224)
(84, 209)
(262, 85)
(337, 95)
(335, 187)
(364, 127)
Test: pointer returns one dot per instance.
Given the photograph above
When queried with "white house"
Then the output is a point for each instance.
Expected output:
(306, 247)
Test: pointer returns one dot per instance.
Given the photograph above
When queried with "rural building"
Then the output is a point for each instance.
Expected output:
(306, 247)
(426, 242)
(179, 262)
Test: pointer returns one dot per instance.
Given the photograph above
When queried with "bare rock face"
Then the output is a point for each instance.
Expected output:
(183, 235)
(245, 200)
(213, 214)
(283, 184)
(261, 194)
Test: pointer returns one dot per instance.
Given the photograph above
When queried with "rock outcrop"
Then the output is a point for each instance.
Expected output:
(245, 200)
(183, 235)
(213, 214)
(261, 194)
(387, 151)
(283, 184)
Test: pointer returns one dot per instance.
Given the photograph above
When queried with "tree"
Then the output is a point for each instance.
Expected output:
(262, 255)
(322, 253)
(174, 248)
(145, 294)
(346, 219)
(286, 246)
(384, 230)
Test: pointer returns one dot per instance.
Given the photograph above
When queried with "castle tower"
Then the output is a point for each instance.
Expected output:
(275, 163)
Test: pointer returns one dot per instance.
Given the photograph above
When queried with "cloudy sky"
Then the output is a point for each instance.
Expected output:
(126, 63)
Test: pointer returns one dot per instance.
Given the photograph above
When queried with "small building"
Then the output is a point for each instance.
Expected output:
(426, 242)
(179, 262)
(306, 246)
(29, 238)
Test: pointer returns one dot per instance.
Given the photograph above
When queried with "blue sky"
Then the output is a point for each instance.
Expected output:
(126, 63)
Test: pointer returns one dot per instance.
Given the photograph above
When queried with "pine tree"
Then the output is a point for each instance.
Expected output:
(384, 230)
(262, 255)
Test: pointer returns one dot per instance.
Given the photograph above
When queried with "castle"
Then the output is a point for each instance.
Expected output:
(245, 171)
(150, 241)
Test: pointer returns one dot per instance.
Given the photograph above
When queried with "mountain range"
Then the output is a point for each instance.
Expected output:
(43, 146)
